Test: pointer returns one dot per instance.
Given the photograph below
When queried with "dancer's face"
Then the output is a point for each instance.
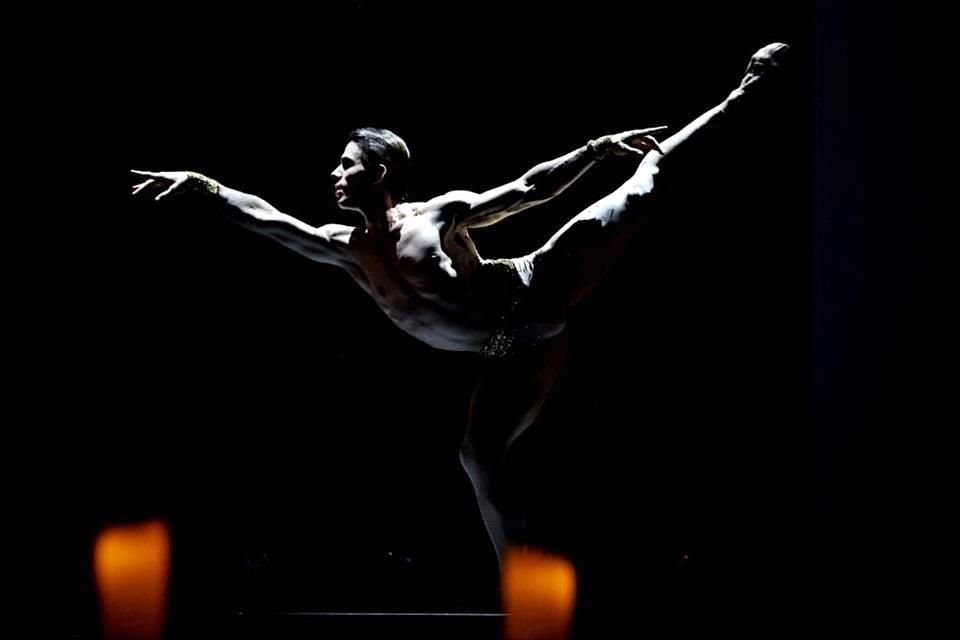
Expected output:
(353, 181)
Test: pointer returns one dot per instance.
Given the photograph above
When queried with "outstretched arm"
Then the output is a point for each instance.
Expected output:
(327, 244)
(543, 182)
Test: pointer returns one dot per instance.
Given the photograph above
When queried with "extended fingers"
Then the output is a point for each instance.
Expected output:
(652, 143)
(631, 150)
(169, 189)
(140, 187)
(649, 130)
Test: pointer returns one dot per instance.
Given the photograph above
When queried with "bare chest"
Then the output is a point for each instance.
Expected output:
(410, 262)
(420, 254)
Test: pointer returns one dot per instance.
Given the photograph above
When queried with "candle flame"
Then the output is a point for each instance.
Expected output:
(132, 567)
(539, 592)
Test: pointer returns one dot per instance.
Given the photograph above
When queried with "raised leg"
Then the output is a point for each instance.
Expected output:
(576, 259)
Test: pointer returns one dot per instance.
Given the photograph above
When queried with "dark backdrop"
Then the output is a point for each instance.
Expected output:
(275, 418)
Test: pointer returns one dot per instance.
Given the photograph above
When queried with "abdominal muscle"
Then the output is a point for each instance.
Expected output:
(426, 301)
(442, 292)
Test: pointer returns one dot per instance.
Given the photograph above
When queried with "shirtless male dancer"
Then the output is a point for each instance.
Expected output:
(419, 264)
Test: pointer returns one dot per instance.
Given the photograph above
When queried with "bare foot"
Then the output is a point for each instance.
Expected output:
(761, 63)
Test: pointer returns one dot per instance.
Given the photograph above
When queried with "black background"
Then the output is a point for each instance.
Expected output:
(304, 450)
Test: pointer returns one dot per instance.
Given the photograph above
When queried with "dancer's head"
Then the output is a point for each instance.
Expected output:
(374, 162)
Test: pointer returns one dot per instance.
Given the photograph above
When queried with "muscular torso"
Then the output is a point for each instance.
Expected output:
(420, 271)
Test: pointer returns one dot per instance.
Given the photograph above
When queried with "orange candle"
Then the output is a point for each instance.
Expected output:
(539, 593)
(132, 567)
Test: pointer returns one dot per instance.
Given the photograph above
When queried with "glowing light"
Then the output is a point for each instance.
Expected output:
(539, 593)
(132, 567)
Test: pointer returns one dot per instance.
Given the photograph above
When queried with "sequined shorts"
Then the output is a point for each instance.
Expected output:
(504, 285)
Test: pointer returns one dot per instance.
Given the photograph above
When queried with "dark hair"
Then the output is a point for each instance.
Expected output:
(379, 146)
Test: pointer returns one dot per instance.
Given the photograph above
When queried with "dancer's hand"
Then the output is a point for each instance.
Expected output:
(636, 142)
(169, 181)
(173, 182)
